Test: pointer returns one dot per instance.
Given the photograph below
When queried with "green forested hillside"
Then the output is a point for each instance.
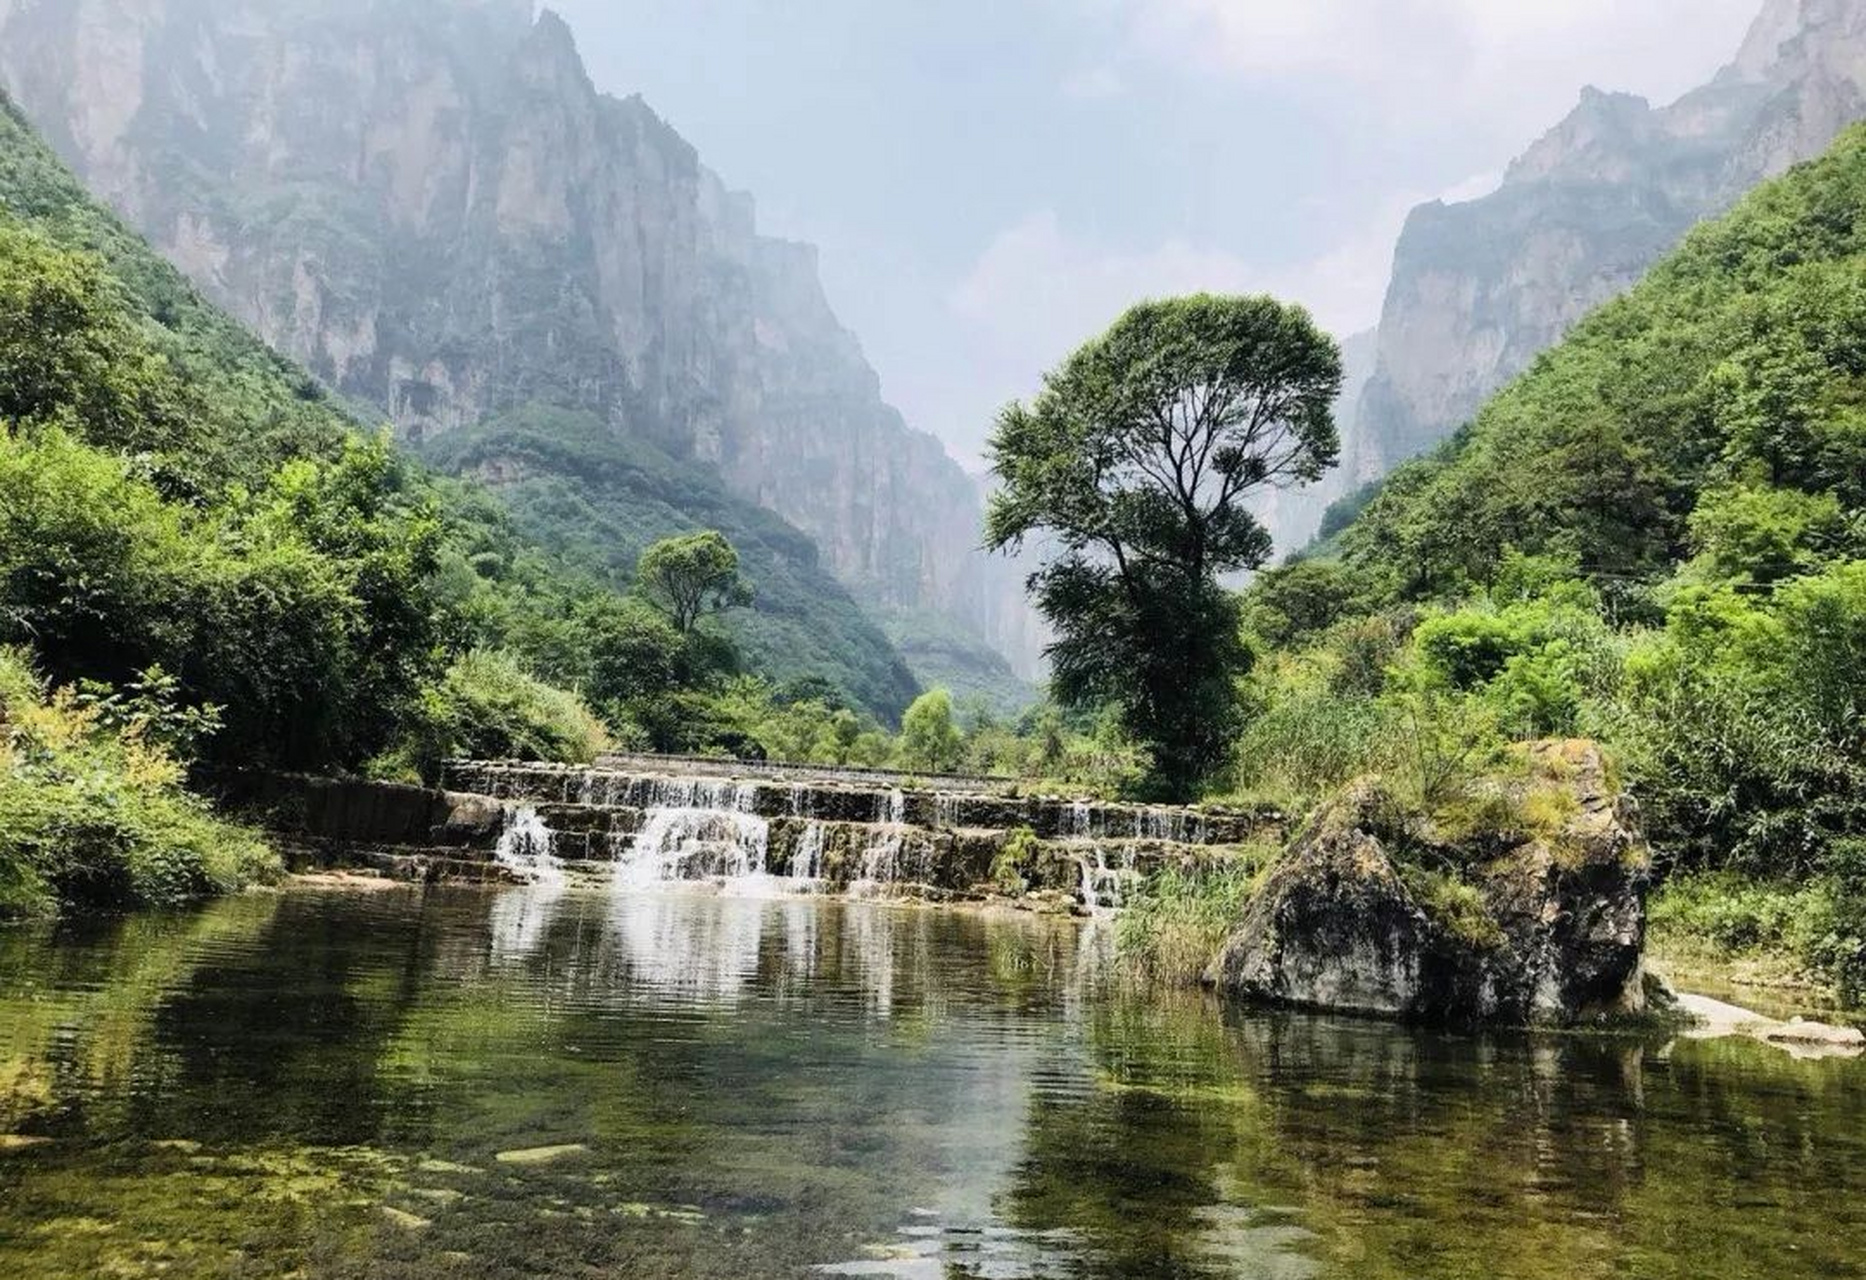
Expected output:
(207, 563)
(600, 500)
(1657, 537)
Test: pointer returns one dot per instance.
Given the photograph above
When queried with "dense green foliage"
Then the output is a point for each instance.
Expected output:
(930, 740)
(487, 706)
(179, 508)
(1656, 537)
(692, 577)
(92, 810)
(1135, 462)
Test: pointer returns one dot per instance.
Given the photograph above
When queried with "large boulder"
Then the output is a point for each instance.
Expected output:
(1532, 913)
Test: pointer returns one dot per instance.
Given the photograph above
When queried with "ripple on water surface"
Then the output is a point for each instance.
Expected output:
(555, 1082)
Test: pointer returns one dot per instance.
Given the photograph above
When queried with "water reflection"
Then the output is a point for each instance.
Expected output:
(724, 1086)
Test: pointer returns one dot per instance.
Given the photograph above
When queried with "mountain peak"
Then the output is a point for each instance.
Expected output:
(1601, 121)
(1780, 22)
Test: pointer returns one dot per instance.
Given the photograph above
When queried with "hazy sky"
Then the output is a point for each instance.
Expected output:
(991, 181)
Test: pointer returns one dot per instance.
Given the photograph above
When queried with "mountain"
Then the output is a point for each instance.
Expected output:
(429, 204)
(1706, 424)
(1480, 288)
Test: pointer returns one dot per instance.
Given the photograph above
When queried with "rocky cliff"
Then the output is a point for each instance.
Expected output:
(1480, 288)
(429, 204)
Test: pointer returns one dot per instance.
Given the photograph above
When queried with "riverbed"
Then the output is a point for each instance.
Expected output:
(544, 1082)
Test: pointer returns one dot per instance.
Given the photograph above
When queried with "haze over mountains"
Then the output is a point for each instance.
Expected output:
(429, 205)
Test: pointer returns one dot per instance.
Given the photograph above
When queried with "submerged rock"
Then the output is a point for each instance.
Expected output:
(540, 1155)
(1536, 915)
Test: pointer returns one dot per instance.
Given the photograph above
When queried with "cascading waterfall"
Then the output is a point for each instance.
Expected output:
(669, 828)
(891, 808)
(881, 861)
(1103, 886)
(945, 810)
(806, 863)
(695, 829)
(1171, 825)
(525, 849)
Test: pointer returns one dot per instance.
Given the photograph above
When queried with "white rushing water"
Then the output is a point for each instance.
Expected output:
(945, 810)
(1104, 886)
(525, 849)
(806, 863)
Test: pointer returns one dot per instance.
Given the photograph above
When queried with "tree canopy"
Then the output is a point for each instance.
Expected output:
(690, 577)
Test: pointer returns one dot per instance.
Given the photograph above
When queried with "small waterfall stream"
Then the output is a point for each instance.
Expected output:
(806, 863)
(525, 849)
(1104, 886)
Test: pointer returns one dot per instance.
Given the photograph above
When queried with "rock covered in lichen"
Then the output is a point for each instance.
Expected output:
(1536, 915)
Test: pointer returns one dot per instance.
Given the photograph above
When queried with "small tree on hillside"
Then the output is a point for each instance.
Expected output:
(929, 739)
(1135, 461)
(687, 578)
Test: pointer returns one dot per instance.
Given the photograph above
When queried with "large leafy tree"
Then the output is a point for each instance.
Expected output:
(929, 739)
(1133, 466)
(692, 576)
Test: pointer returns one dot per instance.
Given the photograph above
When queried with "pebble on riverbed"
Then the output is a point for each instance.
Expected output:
(540, 1155)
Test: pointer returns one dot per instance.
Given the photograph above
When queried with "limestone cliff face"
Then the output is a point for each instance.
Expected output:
(429, 204)
(1480, 288)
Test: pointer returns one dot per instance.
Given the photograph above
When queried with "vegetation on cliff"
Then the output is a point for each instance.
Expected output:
(176, 498)
(92, 808)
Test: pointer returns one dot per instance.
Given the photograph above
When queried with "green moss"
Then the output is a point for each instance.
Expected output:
(1455, 906)
(1014, 865)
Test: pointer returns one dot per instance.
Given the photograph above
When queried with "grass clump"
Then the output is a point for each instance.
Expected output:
(93, 812)
(1181, 914)
(1455, 905)
(1012, 868)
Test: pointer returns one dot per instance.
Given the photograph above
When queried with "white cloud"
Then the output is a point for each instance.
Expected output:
(1038, 289)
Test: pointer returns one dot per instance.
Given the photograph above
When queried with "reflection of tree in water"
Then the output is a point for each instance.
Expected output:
(79, 1000)
(286, 1035)
(815, 1080)
(1399, 1154)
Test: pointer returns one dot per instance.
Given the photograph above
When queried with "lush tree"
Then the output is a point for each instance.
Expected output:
(489, 707)
(1287, 604)
(690, 577)
(68, 352)
(1133, 466)
(930, 740)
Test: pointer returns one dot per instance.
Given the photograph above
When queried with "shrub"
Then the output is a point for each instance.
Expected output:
(95, 815)
(1819, 926)
(487, 706)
